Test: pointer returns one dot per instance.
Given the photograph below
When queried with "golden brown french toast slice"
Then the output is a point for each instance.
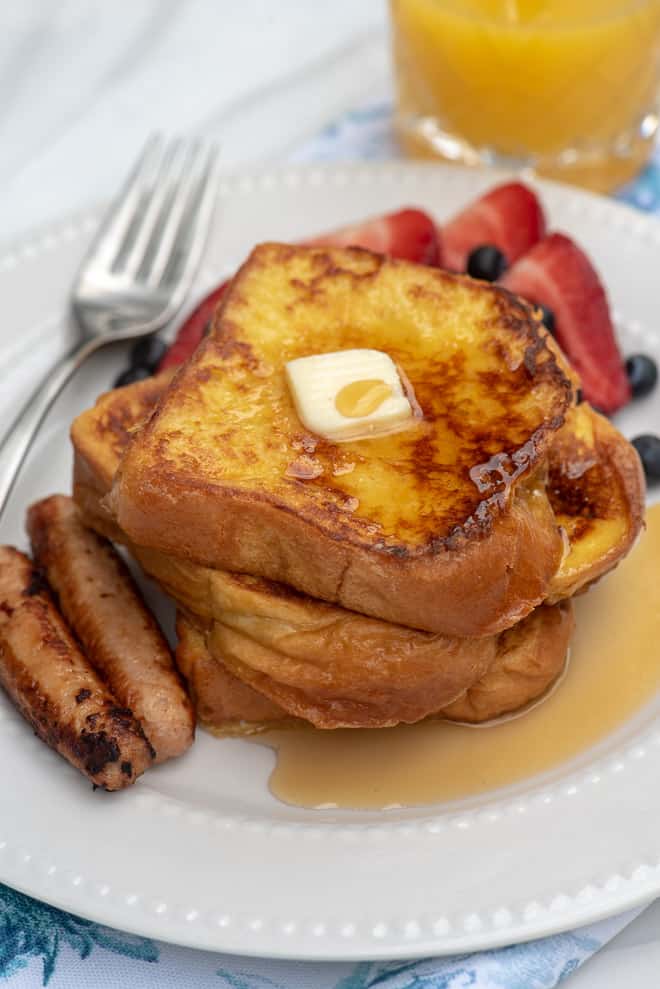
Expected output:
(102, 433)
(222, 702)
(530, 657)
(519, 673)
(596, 485)
(596, 488)
(527, 660)
(100, 436)
(442, 526)
(319, 661)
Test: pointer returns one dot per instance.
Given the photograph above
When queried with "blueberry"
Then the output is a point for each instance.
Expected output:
(131, 374)
(642, 374)
(648, 448)
(547, 318)
(486, 262)
(148, 352)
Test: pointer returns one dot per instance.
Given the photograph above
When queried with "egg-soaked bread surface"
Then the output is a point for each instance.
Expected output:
(596, 488)
(443, 526)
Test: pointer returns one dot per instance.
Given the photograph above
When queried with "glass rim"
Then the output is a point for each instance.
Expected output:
(501, 22)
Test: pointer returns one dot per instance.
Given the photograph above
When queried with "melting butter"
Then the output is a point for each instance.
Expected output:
(361, 398)
(614, 670)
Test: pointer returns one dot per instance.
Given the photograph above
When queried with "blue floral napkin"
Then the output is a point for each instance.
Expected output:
(40, 945)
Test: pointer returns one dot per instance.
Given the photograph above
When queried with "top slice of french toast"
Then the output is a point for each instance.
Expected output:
(443, 526)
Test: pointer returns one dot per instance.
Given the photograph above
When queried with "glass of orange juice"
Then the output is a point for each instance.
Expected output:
(568, 88)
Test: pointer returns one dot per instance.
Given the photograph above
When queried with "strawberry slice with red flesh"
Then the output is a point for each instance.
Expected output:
(409, 235)
(557, 274)
(193, 329)
(510, 217)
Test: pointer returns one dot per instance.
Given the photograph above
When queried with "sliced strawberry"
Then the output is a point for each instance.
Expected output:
(509, 216)
(410, 235)
(192, 330)
(557, 274)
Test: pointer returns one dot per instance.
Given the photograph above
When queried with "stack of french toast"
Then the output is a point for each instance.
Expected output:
(418, 569)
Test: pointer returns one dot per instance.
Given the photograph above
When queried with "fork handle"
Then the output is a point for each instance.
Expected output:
(18, 440)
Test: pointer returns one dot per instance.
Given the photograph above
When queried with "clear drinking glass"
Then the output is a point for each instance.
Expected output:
(568, 88)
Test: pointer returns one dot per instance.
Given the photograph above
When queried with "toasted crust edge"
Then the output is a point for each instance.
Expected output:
(479, 588)
(625, 469)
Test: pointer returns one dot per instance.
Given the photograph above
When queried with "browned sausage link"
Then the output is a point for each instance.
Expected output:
(56, 690)
(17, 578)
(101, 602)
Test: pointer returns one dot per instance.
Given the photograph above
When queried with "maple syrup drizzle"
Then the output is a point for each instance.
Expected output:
(614, 670)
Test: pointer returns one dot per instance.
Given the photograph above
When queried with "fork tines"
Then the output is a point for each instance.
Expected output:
(149, 236)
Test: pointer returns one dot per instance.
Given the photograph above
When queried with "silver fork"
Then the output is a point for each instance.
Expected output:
(136, 275)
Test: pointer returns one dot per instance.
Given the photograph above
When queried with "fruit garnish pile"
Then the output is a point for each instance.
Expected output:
(501, 237)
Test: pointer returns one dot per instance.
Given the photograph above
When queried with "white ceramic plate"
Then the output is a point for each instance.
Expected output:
(199, 852)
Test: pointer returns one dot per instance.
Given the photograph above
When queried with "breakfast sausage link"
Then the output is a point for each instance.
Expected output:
(101, 602)
(54, 687)
(17, 578)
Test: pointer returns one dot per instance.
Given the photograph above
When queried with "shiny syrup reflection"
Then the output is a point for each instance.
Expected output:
(614, 671)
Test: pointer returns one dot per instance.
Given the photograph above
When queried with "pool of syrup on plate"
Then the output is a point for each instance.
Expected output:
(614, 670)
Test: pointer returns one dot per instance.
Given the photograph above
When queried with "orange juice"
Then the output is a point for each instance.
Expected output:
(569, 87)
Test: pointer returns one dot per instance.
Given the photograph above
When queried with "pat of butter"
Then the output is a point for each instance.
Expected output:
(363, 380)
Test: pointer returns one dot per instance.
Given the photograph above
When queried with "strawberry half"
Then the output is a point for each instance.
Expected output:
(409, 234)
(509, 216)
(192, 330)
(557, 274)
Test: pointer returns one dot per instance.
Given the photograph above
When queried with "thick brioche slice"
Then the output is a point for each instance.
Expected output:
(528, 659)
(596, 484)
(320, 661)
(101, 434)
(442, 527)
(222, 702)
